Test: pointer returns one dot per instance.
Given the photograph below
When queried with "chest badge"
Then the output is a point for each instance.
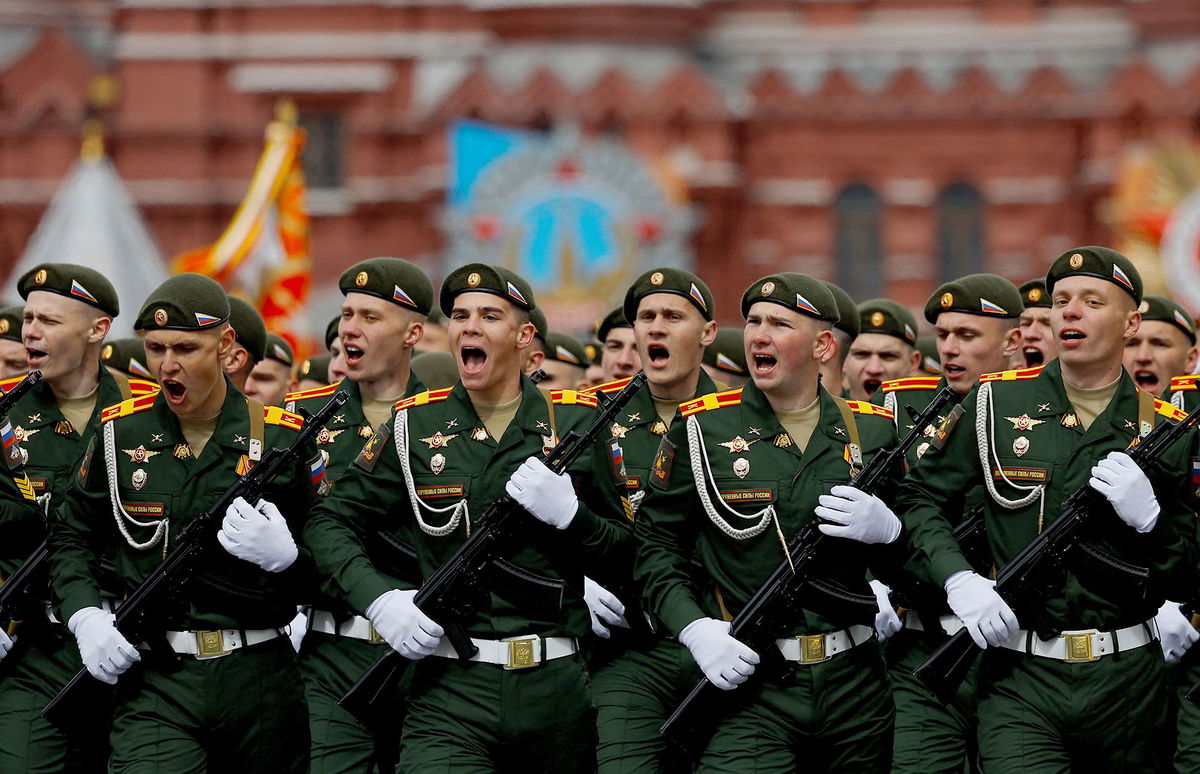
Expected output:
(783, 440)
(659, 427)
(156, 437)
(741, 467)
(35, 418)
(140, 454)
(1043, 407)
(1020, 446)
(1069, 420)
(1025, 422)
(637, 417)
(138, 479)
(438, 441)
(339, 419)
(182, 451)
(753, 431)
(738, 444)
(437, 463)
(921, 449)
(451, 424)
(542, 425)
(479, 434)
(327, 436)
(63, 427)
(1130, 425)
(619, 431)
(365, 431)
(21, 433)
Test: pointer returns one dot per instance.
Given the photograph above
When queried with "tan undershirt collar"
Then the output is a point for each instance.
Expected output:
(497, 418)
(1089, 404)
(801, 423)
(665, 409)
(79, 410)
(377, 411)
(197, 432)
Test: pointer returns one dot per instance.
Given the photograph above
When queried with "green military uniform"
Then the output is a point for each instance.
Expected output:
(233, 698)
(727, 485)
(1049, 713)
(341, 645)
(480, 716)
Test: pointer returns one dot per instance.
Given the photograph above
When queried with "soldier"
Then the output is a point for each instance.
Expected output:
(126, 357)
(536, 353)
(251, 343)
(564, 364)
(336, 366)
(745, 471)
(383, 315)
(974, 318)
(12, 351)
(885, 347)
(638, 678)
(1164, 345)
(450, 453)
(725, 359)
(1031, 438)
(595, 370)
(313, 373)
(229, 697)
(845, 330)
(1038, 346)
(618, 353)
(271, 379)
(930, 364)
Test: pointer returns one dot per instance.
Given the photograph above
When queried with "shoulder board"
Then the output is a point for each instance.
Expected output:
(430, 396)
(911, 383)
(1010, 376)
(572, 398)
(1185, 382)
(11, 382)
(127, 407)
(870, 409)
(713, 400)
(315, 392)
(614, 386)
(273, 415)
(1168, 410)
(140, 387)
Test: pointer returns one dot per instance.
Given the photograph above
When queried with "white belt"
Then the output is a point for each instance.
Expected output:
(815, 648)
(950, 623)
(222, 642)
(105, 604)
(358, 628)
(522, 652)
(1083, 644)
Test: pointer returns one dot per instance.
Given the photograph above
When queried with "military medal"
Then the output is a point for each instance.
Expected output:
(140, 454)
(741, 467)
(659, 427)
(1025, 422)
(138, 479)
(783, 440)
(327, 436)
(922, 449)
(618, 431)
(182, 451)
(479, 434)
(22, 434)
(1069, 420)
(437, 463)
(63, 427)
(437, 440)
(738, 444)
(364, 431)
(1020, 446)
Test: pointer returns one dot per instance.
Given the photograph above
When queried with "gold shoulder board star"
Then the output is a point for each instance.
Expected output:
(618, 431)
(437, 440)
(1025, 422)
(140, 454)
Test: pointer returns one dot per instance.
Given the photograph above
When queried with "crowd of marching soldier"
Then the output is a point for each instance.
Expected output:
(463, 542)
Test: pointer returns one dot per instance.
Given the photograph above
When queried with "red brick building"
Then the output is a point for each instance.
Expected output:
(884, 144)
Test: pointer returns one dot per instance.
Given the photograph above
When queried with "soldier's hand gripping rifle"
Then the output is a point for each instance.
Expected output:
(454, 588)
(140, 616)
(773, 607)
(1030, 575)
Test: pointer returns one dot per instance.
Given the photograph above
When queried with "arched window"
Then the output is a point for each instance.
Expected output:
(857, 242)
(960, 232)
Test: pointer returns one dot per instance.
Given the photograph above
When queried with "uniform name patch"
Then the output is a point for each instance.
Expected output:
(440, 490)
(660, 472)
(633, 482)
(144, 509)
(39, 484)
(372, 450)
(748, 496)
(1036, 475)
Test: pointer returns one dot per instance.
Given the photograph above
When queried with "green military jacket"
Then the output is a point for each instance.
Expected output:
(1037, 440)
(453, 463)
(748, 462)
(159, 481)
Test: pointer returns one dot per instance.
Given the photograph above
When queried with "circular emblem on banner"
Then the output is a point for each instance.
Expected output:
(160, 317)
(40, 277)
(105, 353)
(877, 319)
(656, 278)
(473, 279)
(1076, 261)
(360, 279)
(947, 300)
(767, 288)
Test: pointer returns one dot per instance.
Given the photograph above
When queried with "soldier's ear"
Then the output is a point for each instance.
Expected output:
(709, 334)
(1193, 355)
(99, 329)
(824, 346)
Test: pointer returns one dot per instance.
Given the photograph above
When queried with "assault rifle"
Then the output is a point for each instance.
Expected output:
(453, 590)
(140, 616)
(1038, 568)
(772, 609)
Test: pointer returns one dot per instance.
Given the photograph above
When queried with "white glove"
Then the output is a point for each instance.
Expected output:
(398, 620)
(104, 650)
(985, 615)
(725, 661)
(887, 622)
(1175, 631)
(258, 535)
(297, 629)
(857, 516)
(603, 607)
(549, 496)
(6, 644)
(1119, 479)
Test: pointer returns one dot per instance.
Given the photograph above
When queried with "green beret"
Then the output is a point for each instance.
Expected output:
(931, 361)
(883, 315)
(1033, 293)
(392, 279)
(279, 350)
(1101, 262)
(435, 370)
(847, 311)
(67, 279)
(331, 331)
(593, 350)
(315, 367)
(1165, 310)
(482, 278)
(614, 319)
(798, 292)
(566, 349)
(987, 295)
(727, 352)
(248, 326)
(185, 302)
(127, 356)
(540, 326)
(11, 320)
(668, 280)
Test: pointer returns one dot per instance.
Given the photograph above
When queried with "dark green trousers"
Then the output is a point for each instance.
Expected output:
(931, 737)
(635, 689)
(244, 712)
(1041, 715)
(1183, 676)
(471, 718)
(329, 666)
(832, 716)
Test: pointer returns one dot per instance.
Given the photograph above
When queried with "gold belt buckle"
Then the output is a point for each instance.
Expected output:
(521, 653)
(210, 644)
(812, 648)
(1079, 648)
(376, 638)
